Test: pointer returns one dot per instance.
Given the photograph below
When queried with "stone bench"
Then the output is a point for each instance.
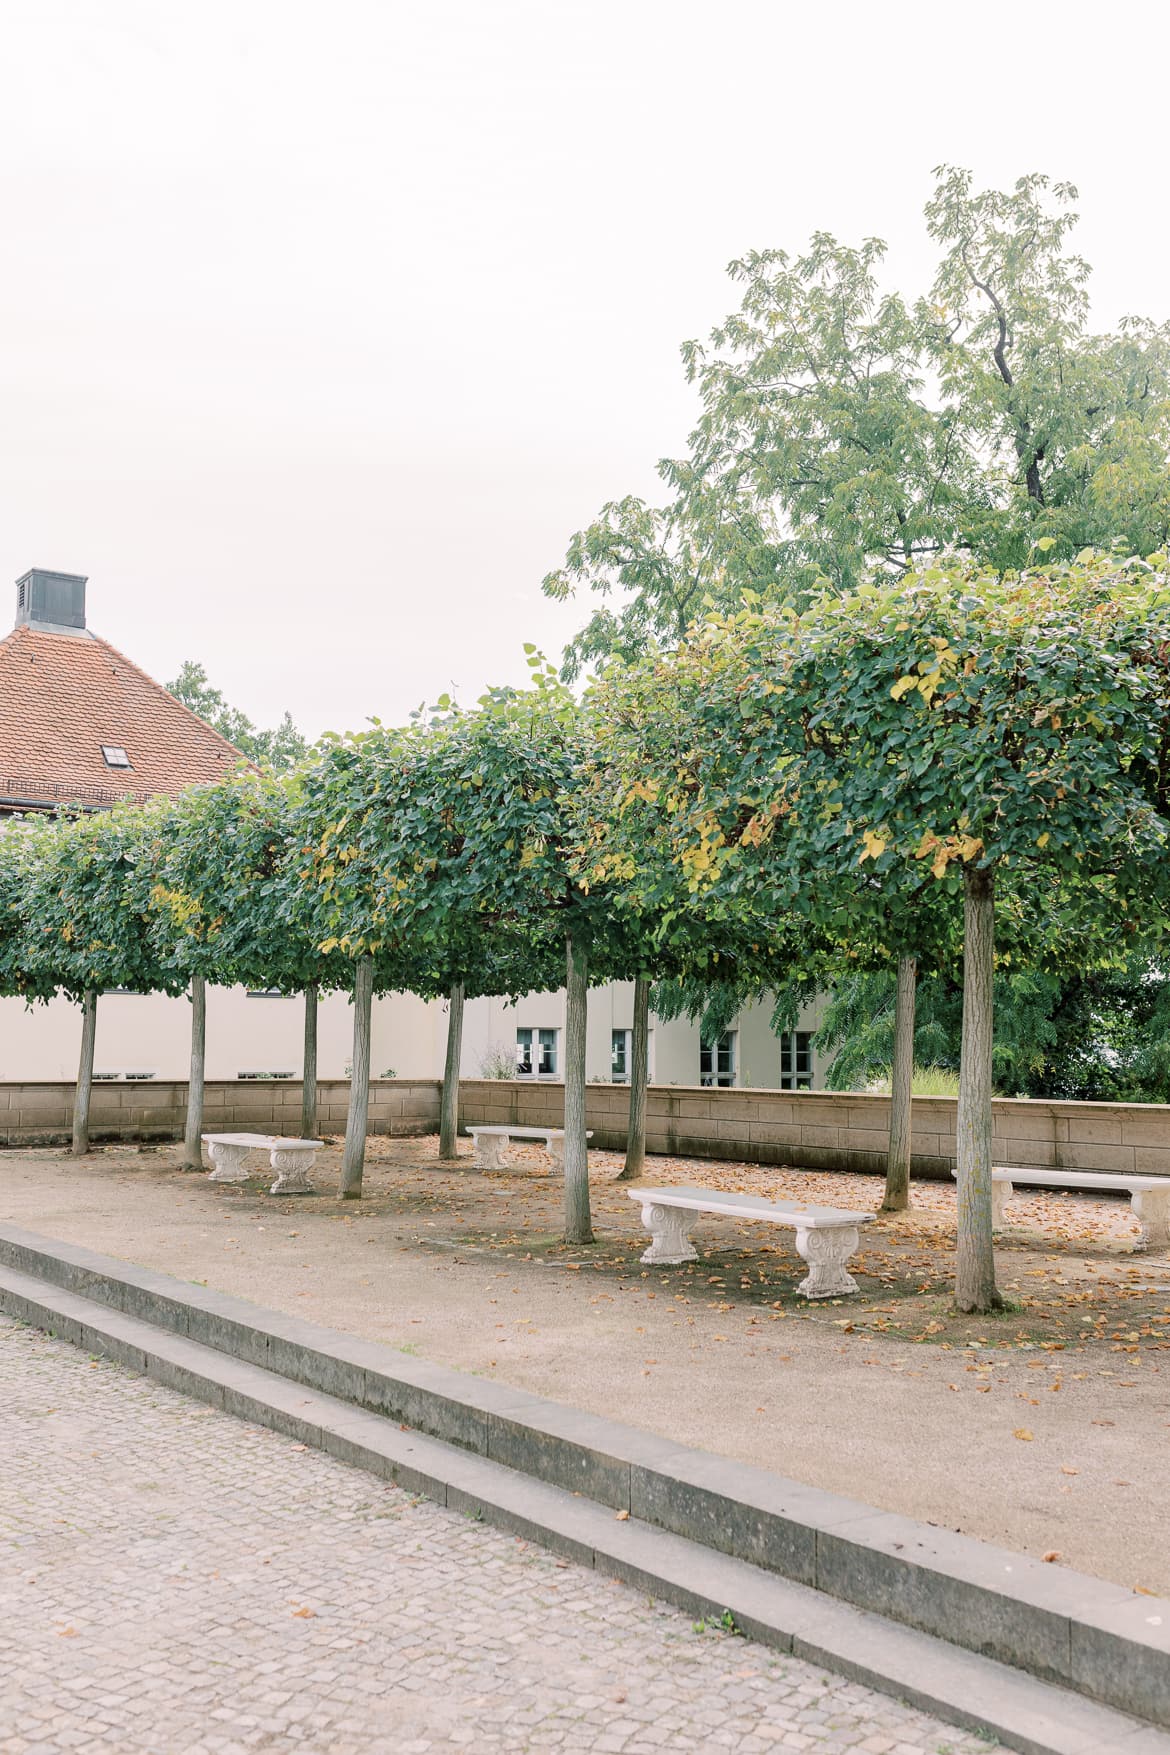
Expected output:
(826, 1237)
(291, 1159)
(492, 1154)
(1149, 1196)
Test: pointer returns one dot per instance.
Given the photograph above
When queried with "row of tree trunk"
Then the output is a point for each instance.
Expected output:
(193, 1129)
(578, 1226)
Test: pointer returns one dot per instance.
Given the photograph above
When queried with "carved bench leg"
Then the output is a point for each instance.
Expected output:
(826, 1252)
(1001, 1193)
(292, 1172)
(669, 1228)
(556, 1153)
(1151, 1207)
(228, 1162)
(491, 1151)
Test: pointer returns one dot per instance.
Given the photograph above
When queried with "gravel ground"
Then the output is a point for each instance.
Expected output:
(1063, 1401)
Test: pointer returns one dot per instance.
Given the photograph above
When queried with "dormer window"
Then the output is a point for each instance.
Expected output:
(115, 755)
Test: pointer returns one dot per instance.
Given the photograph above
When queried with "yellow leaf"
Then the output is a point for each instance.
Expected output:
(1042, 840)
(1022, 1432)
(903, 687)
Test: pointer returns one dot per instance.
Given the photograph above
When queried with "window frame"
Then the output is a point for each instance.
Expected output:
(796, 1060)
(719, 1061)
(538, 1057)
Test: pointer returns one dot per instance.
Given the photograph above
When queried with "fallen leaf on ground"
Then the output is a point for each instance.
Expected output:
(1022, 1432)
(623, 1517)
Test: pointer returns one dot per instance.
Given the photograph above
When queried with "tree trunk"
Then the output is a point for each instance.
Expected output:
(897, 1196)
(193, 1137)
(578, 1224)
(84, 1090)
(635, 1165)
(975, 1289)
(354, 1157)
(449, 1110)
(309, 1074)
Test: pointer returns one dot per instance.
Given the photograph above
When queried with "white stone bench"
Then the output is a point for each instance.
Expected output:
(826, 1237)
(1149, 1196)
(492, 1154)
(291, 1159)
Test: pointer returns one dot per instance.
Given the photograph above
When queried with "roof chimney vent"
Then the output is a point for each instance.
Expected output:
(50, 600)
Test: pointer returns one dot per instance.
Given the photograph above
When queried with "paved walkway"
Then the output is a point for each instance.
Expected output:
(173, 1580)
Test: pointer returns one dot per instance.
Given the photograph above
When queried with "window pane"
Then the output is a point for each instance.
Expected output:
(704, 1063)
(548, 1051)
(524, 1051)
(619, 1056)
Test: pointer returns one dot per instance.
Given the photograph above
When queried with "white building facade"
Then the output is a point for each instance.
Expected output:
(260, 1035)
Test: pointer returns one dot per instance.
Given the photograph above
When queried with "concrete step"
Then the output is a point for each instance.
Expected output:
(962, 1687)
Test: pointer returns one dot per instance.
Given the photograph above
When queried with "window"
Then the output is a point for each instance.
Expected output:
(266, 1075)
(622, 1056)
(107, 1078)
(536, 1054)
(264, 993)
(796, 1060)
(115, 755)
(717, 1060)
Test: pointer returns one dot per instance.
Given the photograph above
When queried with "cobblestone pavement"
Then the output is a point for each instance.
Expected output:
(174, 1580)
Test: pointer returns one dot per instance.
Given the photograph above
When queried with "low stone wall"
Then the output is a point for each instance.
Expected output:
(42, 1114)
(827, 1130)
(816, 1130)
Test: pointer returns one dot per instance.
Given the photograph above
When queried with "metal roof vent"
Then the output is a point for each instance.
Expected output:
(53, 600)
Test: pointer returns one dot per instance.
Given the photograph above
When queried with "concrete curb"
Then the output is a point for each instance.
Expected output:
(1101, 1640)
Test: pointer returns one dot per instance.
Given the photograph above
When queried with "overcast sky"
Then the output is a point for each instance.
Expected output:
(326, 322)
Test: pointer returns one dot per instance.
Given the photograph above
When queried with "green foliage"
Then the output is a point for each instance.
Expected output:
(227, 888)
(1099, 1036)
(844, 430)
(277, 750)
(86, 908)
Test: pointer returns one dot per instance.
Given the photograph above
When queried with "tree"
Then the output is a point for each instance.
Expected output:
(868, 762)
(343, 902)
(226, 894)
(845, 430)
(448, 842)
(87, 925)
(278, 749)
(987, 728)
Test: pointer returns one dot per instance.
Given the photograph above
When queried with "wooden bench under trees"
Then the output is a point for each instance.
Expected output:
(826, 1237)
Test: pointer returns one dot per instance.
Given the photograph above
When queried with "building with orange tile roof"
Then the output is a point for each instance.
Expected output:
(79, 722)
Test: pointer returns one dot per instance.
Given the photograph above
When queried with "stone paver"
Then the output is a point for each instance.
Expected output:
(172, 1580)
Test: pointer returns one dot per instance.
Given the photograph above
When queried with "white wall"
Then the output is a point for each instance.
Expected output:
(492, 1023)
(151, 1033)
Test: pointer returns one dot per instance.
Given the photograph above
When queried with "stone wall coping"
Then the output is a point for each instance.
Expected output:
(716, 1094)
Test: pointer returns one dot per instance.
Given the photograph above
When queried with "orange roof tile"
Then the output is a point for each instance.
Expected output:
(62, 696)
